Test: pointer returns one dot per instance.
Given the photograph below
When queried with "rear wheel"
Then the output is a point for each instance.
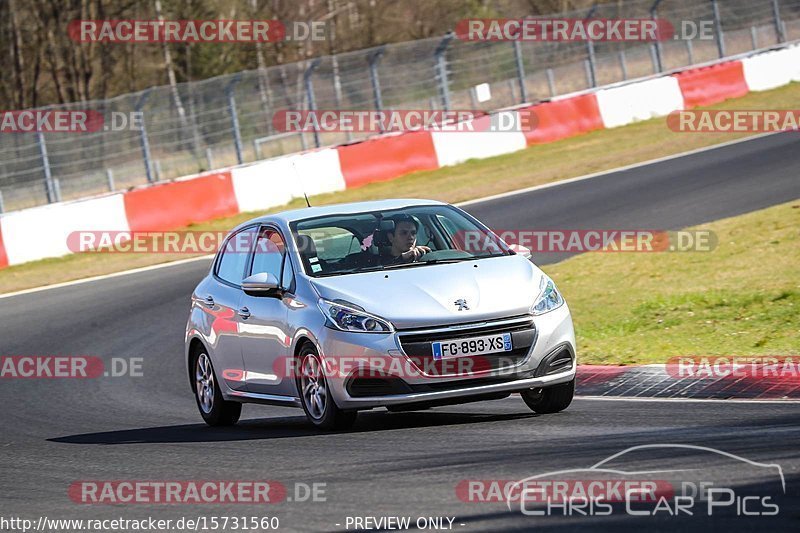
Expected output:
(213, 407)
(550, 399)
(315, 395)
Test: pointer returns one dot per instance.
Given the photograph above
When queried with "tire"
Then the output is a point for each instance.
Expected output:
(550, 399)
(213, 407)
(312, 386)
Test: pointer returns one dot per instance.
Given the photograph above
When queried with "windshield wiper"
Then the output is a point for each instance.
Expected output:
(378, 268)
(431, 262)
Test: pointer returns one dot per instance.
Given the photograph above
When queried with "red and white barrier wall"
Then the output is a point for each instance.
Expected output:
(772, 69)
(42, 232)
(274, 182)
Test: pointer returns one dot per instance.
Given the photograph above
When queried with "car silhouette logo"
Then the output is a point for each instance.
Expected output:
(461, 303)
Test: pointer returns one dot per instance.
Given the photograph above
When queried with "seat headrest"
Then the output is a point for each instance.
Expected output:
(306, 246)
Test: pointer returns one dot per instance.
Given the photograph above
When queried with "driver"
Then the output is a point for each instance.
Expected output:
(403, 240)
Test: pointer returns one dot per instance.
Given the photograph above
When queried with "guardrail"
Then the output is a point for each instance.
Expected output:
(228, 120)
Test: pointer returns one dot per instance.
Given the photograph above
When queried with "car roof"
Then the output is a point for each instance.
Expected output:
(294, 215)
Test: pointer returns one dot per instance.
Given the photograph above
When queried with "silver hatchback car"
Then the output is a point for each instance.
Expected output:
(403, 304)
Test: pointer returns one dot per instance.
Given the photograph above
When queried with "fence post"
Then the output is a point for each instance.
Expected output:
(373, 58)
(587, 67)
(656, 46)
(337, 90)
(623, 64)
(779, 28)
(110, 178)
(551, 81)
(653, 59)
(145, 143)
(312, 103)
(590, 64)
(718, 28)
(2, 205)
(690, 51)
(57, 187)
(237, 135)
(50, 188)
(441, 69)
(520, 71)
(754, 37)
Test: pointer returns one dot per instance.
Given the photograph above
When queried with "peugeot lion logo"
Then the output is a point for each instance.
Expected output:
(461, 303)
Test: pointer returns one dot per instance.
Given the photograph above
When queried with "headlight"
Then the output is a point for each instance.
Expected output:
(549, 298)
(348, 317)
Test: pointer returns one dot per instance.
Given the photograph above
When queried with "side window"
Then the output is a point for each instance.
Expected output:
(269, 253)
(288, 272)
(233, 256)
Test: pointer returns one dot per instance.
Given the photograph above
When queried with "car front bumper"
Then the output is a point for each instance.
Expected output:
(365, 352)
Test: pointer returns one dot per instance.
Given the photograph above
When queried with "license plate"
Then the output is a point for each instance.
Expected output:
(472, 346)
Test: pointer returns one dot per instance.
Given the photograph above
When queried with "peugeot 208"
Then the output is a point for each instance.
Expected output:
(403, 304)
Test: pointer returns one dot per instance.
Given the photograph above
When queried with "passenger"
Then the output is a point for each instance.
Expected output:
(403, 240)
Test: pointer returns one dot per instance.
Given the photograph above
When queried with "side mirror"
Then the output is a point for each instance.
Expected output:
(521, 250)
(263, 284)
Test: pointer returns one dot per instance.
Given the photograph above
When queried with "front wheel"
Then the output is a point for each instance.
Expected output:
(213, 407)
(550, 399)
(315, 394)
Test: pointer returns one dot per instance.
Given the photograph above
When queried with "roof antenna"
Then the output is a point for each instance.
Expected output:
(300, 179)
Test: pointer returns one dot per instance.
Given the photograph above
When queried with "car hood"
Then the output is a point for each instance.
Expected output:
(422, 296)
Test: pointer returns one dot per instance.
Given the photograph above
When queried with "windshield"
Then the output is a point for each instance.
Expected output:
(414, 236)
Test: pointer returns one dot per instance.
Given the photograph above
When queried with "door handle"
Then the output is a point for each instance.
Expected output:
(244, 313)
(209, 301)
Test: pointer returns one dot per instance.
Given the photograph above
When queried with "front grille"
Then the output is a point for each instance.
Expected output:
(417, 346)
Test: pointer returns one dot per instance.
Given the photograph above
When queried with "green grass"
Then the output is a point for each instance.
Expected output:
(593, 152)
(742, 298)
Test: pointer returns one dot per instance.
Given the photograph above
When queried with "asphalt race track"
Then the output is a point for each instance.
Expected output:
(56, 432)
